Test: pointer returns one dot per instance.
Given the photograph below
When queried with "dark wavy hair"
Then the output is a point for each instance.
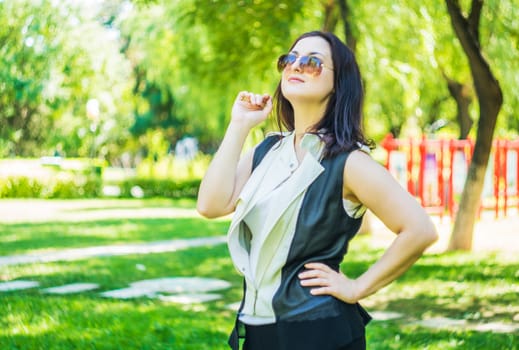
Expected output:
(341, 126)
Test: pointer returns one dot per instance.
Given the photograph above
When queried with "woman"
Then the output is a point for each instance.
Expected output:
(298, 198)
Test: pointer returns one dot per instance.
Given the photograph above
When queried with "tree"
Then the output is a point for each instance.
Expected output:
(490, 99)
(55, 57)
(26, 47)
(203, 53)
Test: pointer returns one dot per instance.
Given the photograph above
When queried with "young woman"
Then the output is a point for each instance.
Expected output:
(298, 198)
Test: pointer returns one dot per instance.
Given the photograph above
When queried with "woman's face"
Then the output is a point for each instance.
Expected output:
(296, 84)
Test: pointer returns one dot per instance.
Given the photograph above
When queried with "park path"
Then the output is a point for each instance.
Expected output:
(490, 234)
(110, 250)
(37, 211)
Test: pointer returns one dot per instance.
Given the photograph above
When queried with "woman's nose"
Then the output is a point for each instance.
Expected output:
(296, 66)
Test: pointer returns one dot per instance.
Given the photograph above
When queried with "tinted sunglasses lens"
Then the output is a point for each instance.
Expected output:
(311, 65)
(285, 60)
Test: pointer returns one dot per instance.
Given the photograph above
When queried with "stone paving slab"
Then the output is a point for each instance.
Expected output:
(17, 285)
(496, 327)
(182, 284)
(71, 288)
(184, 287)
(110, 250)
(129, 293)
(193, 298)
(450, 323)
(385, 315)
(194, 290)
(441, 322)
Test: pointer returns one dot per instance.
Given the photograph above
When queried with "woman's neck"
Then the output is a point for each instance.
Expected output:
(306, 116)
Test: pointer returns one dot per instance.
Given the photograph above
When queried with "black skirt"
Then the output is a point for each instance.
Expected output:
(345, 331)
(266, 337)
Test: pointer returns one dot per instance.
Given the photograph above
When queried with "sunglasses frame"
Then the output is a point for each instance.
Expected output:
(304, 62)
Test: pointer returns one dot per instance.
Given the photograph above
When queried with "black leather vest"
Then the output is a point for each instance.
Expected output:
(323, 231)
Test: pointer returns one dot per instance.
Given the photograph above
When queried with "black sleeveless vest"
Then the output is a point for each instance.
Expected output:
(323, 231)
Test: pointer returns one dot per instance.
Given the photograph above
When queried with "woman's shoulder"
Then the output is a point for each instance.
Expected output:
(360, 159)
(264, 146)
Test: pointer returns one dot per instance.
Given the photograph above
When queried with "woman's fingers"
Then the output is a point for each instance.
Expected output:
(256, 101)
(318, 267)
(317, 274)
(250, 109)
(323, 280)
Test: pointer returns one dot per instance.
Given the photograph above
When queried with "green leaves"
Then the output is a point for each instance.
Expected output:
(177, 65)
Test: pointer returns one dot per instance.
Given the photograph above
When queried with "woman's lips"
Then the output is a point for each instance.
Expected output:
(295, 80)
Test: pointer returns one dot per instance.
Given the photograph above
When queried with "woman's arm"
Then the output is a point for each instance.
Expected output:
(369, 183)
(227, 173)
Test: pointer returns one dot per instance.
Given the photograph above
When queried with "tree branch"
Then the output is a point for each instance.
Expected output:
(474, 19)
(481, 70)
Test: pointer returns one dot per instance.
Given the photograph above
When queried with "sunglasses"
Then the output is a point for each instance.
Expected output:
(309, 64)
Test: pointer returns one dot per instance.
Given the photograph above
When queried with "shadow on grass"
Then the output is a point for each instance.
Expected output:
(391, 335)
(89, 321)
(457, 306)
(56, 323)
(26, 237)
(474, 287)
(453, 285)
(119, 271)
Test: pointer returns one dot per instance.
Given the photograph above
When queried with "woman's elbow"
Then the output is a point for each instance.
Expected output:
(429, 234)
(210, 211)
(205, 210)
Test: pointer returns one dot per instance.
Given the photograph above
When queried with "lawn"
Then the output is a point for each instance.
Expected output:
(480, 288)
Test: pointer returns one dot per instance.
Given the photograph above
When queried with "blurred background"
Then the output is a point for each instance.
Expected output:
(110, 111)
(125, 98)
(132, 84)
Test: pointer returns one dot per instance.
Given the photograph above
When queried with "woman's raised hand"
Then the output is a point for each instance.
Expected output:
(251, 109)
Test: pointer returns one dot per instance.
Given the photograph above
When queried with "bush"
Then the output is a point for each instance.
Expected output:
(50, 177)
(160, 187)
(62, 185)
(20, 187)
(74, 185)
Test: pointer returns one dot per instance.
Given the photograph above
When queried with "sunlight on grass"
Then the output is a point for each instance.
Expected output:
(41, 237)
(470, 287)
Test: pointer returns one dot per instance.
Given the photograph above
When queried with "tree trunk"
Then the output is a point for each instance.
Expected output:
(330, 16)
(490, 99)
(351, 39)
(463, 100)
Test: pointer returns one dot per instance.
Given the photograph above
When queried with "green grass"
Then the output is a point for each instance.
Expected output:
(32, 320)
(29, 237)
(480, 287)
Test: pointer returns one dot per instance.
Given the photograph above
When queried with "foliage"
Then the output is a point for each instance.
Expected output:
(477, 288)
(63, 185)
(55, 57)
(75, 178)
(200, 58)
(409, 72)
(176, 66)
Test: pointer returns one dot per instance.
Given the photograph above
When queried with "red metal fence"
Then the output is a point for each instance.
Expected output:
(434, 171)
